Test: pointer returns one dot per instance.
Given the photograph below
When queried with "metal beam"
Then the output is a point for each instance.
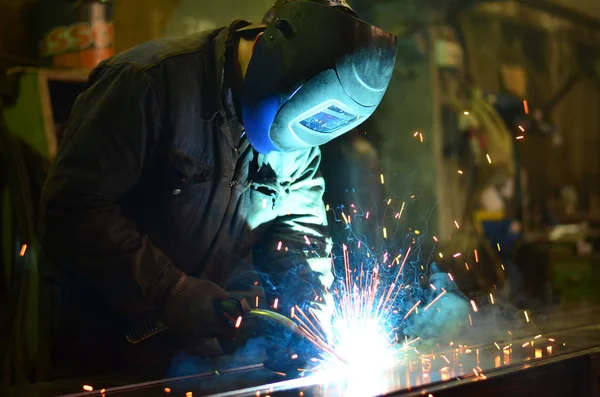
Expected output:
(575, 14)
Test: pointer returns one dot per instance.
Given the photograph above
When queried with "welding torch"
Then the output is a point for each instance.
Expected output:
(235, 312)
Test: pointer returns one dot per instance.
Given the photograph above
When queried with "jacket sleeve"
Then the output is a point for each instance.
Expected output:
(294, 256)
(113, 129)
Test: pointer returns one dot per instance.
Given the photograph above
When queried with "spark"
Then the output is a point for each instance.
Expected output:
(525, 106)
(435, 239)
(416, 133)
(466, 113)
(474, 306)
(476, 256)
(421, 137)
(457, 255)
(189, 394)
(382, 179)
(256, 302)
(401, 210)
(435, 300)
(456, 224)
(238, 322)
(167, 390)
(307, 240)
(491, 298)
(522, 129)
(276, 303)
(367, 216)
(520, 137)
(498, 245)
(389, 201)
(551, 340)
(327, 207)
(88, 388)
(384, 232)
(526, 315)
(279, 245)
(450, 277)
(294, 356)
(498, 347)
(441, 255)
(412, 309)
(489, 159)
(417, 232)
(525, 344)
(23, 250)
(538, 336)
(467, 266)
(460, 172)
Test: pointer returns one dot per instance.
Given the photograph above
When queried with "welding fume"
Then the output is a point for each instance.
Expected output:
(185, 157)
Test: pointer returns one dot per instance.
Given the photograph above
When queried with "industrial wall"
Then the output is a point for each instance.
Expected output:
(532, 54)
(140, 20)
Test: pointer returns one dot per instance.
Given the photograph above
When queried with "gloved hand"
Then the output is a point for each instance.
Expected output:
(446, 319)
(193, 310)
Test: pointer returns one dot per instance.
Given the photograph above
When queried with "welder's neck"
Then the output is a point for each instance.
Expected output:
(239, 62)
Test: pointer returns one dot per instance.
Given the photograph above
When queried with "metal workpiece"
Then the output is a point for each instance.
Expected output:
(551, 363)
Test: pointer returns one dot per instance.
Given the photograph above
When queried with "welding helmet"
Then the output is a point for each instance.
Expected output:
(317, 72)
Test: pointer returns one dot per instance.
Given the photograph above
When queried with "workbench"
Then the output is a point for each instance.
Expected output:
(552, 363)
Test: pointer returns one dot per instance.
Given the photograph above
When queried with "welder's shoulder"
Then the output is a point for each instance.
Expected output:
(153, 53)
(297, 163)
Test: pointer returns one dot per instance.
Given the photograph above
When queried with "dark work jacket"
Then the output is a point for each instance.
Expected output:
(155, 178)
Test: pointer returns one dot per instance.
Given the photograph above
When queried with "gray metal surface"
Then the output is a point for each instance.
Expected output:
(452, 367)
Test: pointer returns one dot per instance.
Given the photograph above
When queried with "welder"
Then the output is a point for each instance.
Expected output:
(185, 157)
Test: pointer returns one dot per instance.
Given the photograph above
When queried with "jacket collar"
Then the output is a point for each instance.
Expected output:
(223, 43)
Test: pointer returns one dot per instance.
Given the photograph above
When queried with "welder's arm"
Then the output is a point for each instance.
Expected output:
(113, 131)
(299, 274)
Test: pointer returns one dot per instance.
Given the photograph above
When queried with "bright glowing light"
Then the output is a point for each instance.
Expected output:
(363, 344)
(474, 306)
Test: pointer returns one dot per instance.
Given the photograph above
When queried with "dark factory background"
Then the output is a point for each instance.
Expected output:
(488, 138)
